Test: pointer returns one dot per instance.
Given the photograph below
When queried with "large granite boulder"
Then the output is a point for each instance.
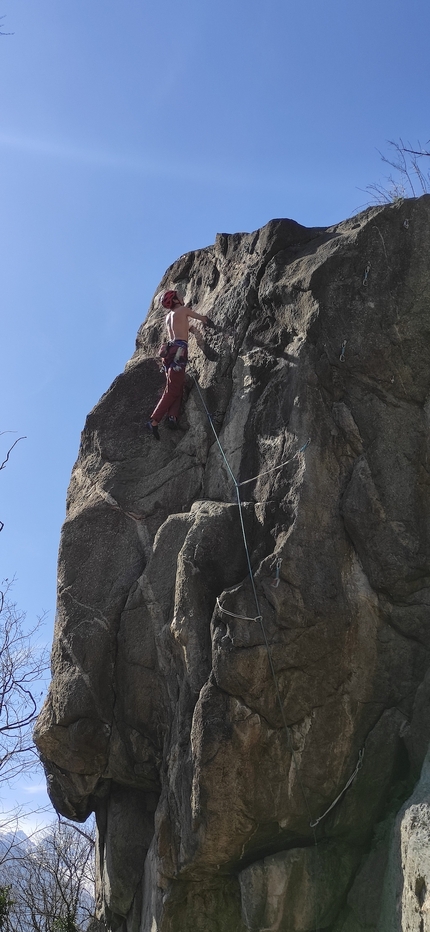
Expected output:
(214, 719)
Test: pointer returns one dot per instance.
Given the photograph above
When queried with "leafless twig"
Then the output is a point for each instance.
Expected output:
(23, 663)
(51, 880)
(409, 178)
(5, 461)
(5, 33)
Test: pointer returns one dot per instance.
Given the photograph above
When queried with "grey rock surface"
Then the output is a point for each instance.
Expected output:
(406, 895)
(205, 737)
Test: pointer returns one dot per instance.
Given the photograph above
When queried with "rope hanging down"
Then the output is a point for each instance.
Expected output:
(260, 474)
(237, 484)
(346, 787)
(259, 618)
(233, 615)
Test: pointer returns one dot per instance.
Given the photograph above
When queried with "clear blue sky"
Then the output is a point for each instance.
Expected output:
(133, 132)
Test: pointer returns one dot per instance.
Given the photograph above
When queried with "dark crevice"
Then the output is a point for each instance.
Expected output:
(281, 840)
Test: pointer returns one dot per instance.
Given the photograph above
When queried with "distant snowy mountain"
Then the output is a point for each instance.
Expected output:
(8, 837)
(15, 843)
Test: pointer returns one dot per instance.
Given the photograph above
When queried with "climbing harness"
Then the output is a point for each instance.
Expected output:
(163, 350)
(366, 273)
(342, 351)
(276, 580)
(174, 355)
(346, 787)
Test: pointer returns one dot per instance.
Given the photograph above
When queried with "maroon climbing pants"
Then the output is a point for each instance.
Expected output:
(170, 401)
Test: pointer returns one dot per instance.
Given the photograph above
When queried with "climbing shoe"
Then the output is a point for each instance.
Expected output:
(172, 422)
(152, 429)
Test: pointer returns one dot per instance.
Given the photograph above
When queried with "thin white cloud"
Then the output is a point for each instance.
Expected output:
(35, 788)
(62, 150)
(154, 165)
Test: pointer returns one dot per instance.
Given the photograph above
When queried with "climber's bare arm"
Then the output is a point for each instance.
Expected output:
(195, 315)
(177, 322)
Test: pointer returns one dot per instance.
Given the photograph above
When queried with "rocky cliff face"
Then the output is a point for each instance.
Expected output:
(211, 718)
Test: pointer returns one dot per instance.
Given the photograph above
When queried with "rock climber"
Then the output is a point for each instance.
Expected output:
(175, 360)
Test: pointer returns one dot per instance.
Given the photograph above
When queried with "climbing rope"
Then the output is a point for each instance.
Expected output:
(233, 615)
(213, 428)
(259, 618)
(275, 468)
(232, 476)
(346, 787)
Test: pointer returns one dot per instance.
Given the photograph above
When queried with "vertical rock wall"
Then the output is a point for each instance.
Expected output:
(205, 759)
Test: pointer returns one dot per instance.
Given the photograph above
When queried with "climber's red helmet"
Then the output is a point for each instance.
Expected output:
(170, 298)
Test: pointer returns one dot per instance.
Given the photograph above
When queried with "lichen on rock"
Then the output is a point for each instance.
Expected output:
(211, 742)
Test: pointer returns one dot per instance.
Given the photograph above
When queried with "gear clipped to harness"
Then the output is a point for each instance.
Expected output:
(174, 355)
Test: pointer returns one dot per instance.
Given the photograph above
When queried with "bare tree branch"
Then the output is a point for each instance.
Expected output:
(23, 663)
(5, 33)
(51, 881)
(90, 838)
(409, 178)
(5, 461)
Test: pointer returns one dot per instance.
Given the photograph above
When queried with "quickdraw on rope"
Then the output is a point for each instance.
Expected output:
(342, 351)
(277, 578)
(406, 224)
(366, 273)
